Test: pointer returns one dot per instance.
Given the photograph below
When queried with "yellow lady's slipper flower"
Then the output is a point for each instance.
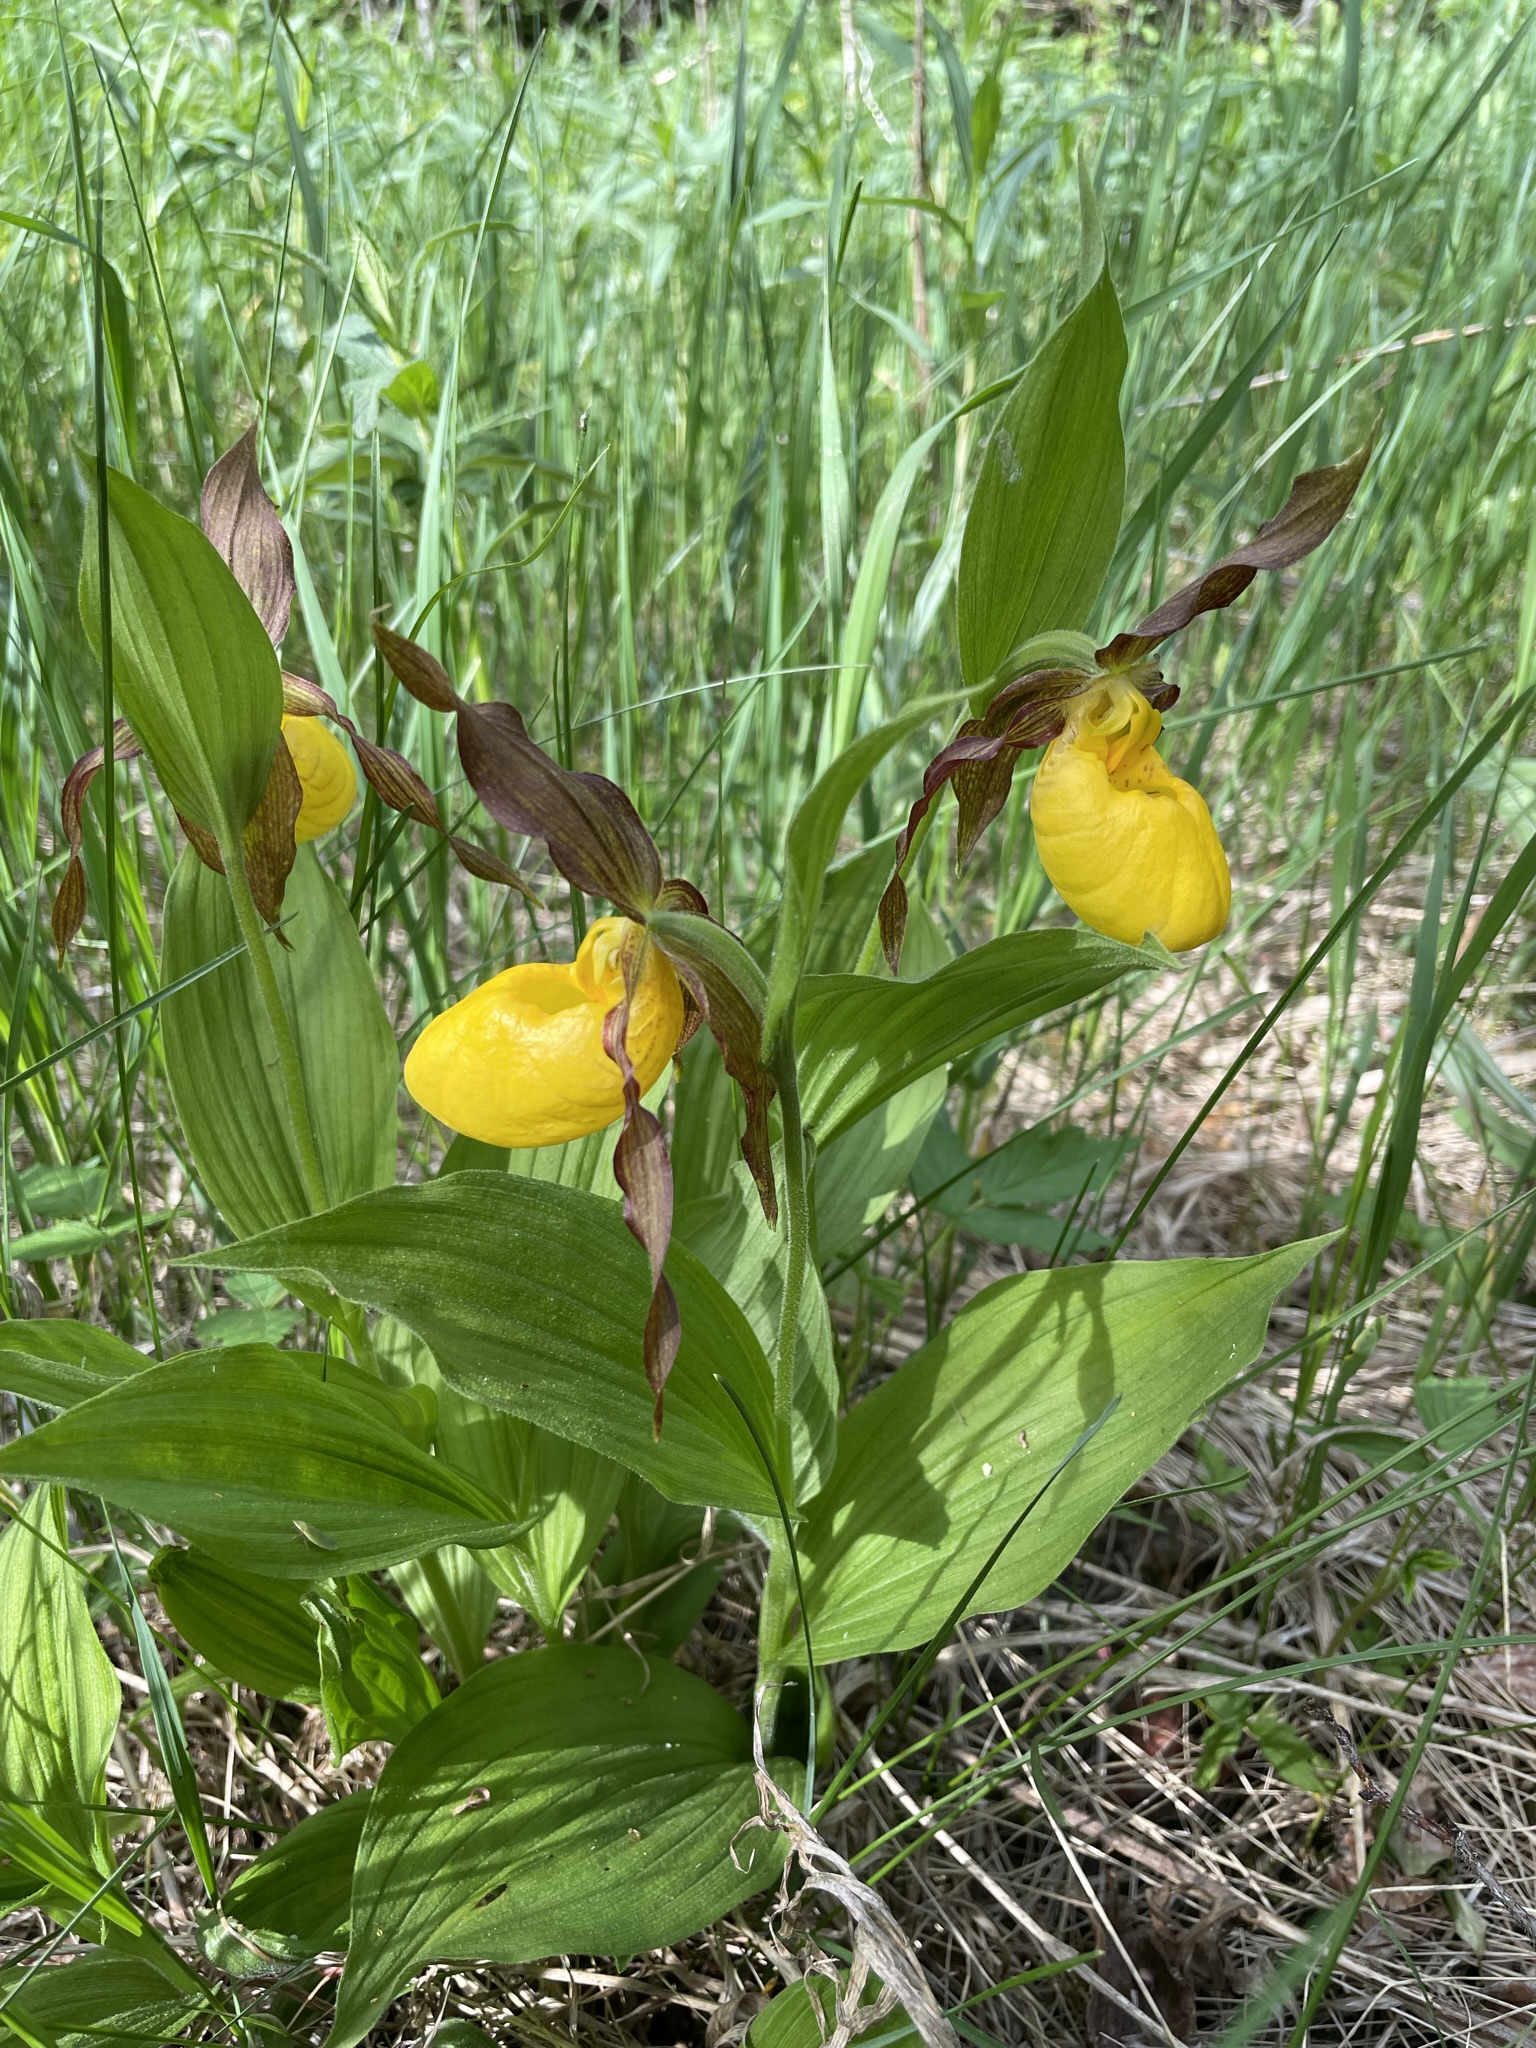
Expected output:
(1128, 846)
(326, 771)
(520, 1061)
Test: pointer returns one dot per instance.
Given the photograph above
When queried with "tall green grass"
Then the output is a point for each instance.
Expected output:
(664, 309)
(645, 393)
(671, 352)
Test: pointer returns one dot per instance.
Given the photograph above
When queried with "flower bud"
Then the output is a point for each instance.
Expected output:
(1127, 845)
(326, 774)
(520, 1061)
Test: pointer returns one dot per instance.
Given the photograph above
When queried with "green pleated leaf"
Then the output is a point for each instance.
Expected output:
(729, 1232)
(862, 1039)
(935, 1464)
(373, 1684)
(59, 1696)
(532, 1298)
(278, 1462)
(295, 1899)
(222, 1063)
(256, 1630)
(1042, 525)
(59, 1363)
(194, 671)
(565, 1799)
(95, 2001)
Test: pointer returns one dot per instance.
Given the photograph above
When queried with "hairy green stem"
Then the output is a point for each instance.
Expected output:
(249, 920)
(797, 1220)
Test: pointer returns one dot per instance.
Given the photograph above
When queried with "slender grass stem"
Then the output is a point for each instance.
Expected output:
(797, 1223)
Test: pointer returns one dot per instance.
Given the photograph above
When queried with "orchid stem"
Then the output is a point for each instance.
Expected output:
(797, 1219)
(249, 920)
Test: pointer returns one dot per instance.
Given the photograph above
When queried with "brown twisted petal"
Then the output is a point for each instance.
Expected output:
(69, 904)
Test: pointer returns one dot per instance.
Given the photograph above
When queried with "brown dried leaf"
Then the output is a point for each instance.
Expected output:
(242, 522)
(1317, 503)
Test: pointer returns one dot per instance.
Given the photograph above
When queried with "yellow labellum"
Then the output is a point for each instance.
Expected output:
(326, 772)
(520, 1060)
(1127, 845)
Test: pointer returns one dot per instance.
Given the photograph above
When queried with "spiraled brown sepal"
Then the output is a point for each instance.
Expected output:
(421, 674)
(68, 912)
(242, 522)
(267, 841)
(980, 761)
(593, 831)
(644, 1172)
(1318, 501)
(396, 783)
(726, 984)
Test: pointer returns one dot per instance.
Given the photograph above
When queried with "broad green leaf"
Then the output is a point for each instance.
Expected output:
(532, 1299)
(1042, 525)
(936, 1463)
(865, 1166)
(194, 671)
(275, 1461)
(96, 2000)
(55, 1191)
(59, 1696)
(295, 1899)
(222, 1064)
(647, 1554)
(1462, 1409)
(747, 1255)
(562, 1490)
(373, 1684)
(804, 2015)
(566, 1799)
(808, 849)
(59, 1363)
(566, 1490)
(862, 1039)
(453, 1597)
(255, 1630)
(1007, 1195)
(860, 1172)
(78, 1240)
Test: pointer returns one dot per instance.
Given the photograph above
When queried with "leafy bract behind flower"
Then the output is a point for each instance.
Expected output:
(1114, 857)
(521, 1062)
(1126, 844)
(643, 979)
(179, 623)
